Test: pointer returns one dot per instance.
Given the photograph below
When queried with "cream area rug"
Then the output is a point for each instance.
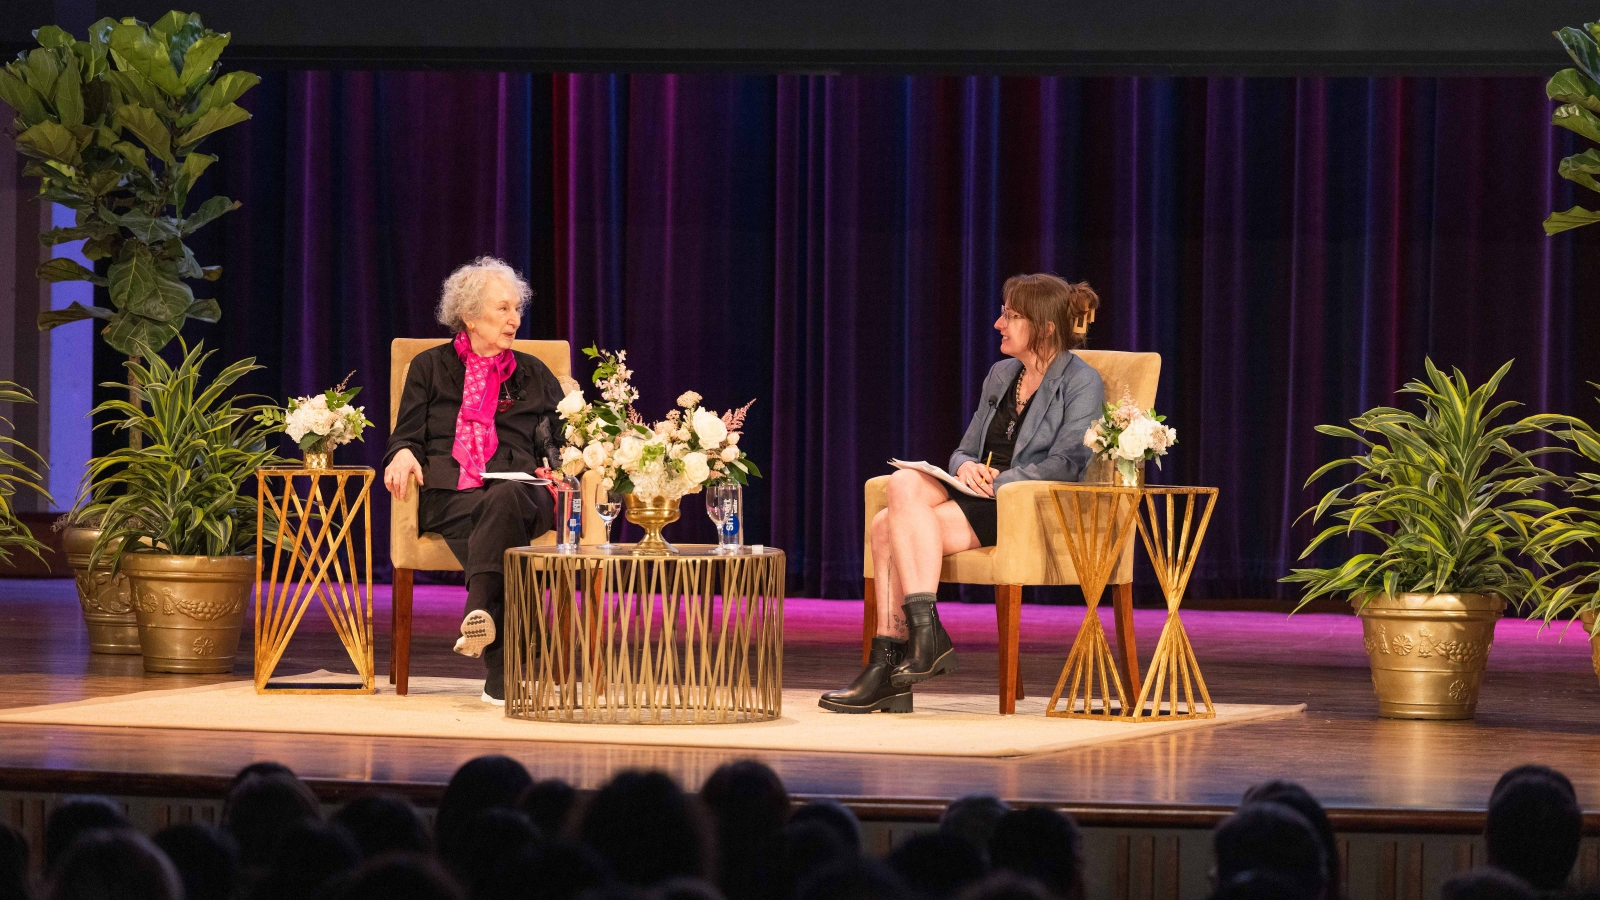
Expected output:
(943, 724)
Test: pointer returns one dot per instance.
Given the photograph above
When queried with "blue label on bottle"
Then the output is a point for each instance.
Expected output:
(730, 525)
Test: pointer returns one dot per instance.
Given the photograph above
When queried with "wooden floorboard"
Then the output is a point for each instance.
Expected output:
(1540, 703)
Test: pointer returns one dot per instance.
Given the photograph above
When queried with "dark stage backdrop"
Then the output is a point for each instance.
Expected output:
(835, 246)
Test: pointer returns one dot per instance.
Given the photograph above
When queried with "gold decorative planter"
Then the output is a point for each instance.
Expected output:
(1428, 651)
(103, 594)
(652, 514)
(1102, 470)
(190, 609)
(1594, 641)
(319, 462)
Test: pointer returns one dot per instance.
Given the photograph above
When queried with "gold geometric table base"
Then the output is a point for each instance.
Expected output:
(691, 638)
(315, 557)
(1096, 522)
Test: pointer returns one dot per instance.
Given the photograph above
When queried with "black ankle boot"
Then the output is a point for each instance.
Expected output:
(929, 651)
(871, 691)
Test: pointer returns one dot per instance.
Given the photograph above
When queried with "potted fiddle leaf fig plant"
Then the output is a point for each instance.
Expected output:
(112, 126)
(1449, 503)
(175, 515)
(1578, 91)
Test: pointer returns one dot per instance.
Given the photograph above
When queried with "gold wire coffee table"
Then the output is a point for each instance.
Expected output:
(610, 637)
(324, 551)
(1097, 521)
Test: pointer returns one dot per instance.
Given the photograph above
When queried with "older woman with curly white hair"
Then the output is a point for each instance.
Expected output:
(469, 407)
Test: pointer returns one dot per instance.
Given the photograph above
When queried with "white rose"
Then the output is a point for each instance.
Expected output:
(733, 438)
(1134, 441)
(695, 468)
(729, 454)
(571, 404)
(317, 402)
(570, 453)
(1091, 439)
(688, 399)
(628, 450)
(676, 451)
(708, 426)
(607, 484)
(682, 434)
(594, 456)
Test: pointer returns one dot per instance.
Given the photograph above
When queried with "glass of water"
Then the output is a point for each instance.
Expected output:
(607, 505)
(723, 506)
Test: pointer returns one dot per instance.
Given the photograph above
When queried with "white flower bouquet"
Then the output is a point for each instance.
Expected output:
(321, 422)
(680, 454)
(1128, 435)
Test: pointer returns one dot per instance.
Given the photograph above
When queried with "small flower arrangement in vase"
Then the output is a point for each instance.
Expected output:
(321, 422)
(1125, 437)
(653, 466)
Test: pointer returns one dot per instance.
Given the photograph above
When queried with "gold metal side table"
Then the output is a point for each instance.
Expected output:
(324, 515)
(1097, 522)
(605, 636)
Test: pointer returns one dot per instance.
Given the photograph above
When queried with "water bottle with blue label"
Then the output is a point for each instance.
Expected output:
(724, 504)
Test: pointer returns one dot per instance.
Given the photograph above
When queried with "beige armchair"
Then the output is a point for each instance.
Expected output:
(410, 551)
(1029, 549)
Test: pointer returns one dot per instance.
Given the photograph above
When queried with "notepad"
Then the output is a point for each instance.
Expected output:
(523, 477)
(928, 468)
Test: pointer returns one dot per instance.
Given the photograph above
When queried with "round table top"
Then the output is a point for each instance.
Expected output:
(625, 551)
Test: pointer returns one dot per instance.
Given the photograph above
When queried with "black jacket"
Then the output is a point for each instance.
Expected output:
(529, 432)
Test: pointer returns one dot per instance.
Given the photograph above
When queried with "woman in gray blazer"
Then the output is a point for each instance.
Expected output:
(1029, 426)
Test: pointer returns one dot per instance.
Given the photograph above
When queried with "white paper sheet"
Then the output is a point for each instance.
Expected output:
(928, 468)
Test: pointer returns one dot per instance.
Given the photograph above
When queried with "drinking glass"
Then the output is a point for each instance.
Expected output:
(723, 506)
(607, 505)
(716, 511)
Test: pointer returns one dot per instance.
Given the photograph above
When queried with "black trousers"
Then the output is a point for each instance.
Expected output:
(480, 525)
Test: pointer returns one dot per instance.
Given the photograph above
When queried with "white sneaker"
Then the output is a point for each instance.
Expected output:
(490, 700)
(477, 632)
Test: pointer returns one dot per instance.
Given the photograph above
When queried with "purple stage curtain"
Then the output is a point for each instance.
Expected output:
(835, 247)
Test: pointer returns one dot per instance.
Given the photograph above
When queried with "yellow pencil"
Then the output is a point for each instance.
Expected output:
(989, 460)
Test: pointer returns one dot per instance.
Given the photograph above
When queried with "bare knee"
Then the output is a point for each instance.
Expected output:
(907, 488)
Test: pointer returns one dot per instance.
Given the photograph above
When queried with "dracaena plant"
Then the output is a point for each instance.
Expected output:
(1446, 495)
(183, 492)
(111, 126)
(1578, 91)
(1574, 588)
(16, 473)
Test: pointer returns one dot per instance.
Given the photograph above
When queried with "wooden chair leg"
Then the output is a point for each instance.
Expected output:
(1127, 645)
(1008, 616)
(869, 618)
(400, 632)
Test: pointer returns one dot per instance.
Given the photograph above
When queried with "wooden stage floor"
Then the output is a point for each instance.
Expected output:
(1540, 703)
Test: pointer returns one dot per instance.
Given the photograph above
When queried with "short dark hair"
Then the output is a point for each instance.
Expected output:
(114, 863)
(73, 818)
(938, 864)
(1043, 844)
(207, 859)
(385, 823)
(648, 830)
(261, 808)
(833, 815)
(974, 817)
(1300, 800)
(1273, 837)
(1532, 830)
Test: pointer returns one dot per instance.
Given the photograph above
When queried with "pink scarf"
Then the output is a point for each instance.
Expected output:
(476, 439)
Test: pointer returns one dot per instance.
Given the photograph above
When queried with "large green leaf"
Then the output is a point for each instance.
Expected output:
(134, 154)
(136, 88)
(69, 95)
(133, 48)
(75, 312)
(134, 335)
(144, 123)
(1583, 50)
(194, 165)
(179, 31)
(133, 275)
(201, 56)
(1572, 86)
(214, 121)
(168, 300)
(51, 141)
(20, 96)
(205, 309)
(208, 211)
(1581, 168)
(62, 269)
(41, 68)
(52, 36)
(1575, 217)
(1578, 120)
(226, 89)
(148, 228)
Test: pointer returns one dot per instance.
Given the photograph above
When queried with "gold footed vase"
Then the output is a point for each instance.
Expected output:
(103, 593)
(652, 514)
(1428, 651)
(190, 609)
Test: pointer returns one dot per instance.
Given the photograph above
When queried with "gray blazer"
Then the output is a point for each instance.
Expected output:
(1050, 444)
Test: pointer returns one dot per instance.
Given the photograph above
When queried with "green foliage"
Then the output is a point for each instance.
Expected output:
(1575, 588)
(1578, 92)
(183, 491)
(112, 125)
(16, 474)
(1445, 494)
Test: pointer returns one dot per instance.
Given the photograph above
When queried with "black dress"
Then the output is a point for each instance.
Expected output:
(1000, 440)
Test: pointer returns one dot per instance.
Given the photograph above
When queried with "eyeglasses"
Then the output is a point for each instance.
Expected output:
(1010, 314)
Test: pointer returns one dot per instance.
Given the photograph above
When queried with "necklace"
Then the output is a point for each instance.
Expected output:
(1016, 401)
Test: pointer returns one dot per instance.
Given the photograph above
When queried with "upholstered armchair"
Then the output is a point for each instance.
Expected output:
(410, 551)
(1029, 548)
